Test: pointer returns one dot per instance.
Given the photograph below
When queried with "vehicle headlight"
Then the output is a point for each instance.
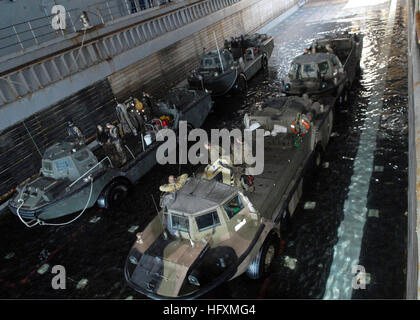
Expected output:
(193, 280)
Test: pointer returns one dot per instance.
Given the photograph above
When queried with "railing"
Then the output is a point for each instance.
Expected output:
(23, 35)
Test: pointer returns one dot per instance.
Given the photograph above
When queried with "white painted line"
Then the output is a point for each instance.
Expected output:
(350, 232)
(240, 225)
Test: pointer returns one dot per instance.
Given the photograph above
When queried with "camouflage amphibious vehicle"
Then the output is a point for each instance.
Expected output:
(231, 67)
(210, 231)
(329, 66)
(75, 176)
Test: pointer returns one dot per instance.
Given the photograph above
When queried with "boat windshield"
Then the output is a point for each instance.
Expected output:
(213, 61)
(207, 221)
(309, 71)
(47, 166)
(210, 63)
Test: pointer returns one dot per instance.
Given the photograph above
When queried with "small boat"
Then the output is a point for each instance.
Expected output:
(75, 176)
(231, 67)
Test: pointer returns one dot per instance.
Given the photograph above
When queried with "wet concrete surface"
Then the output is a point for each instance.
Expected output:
(96, 250)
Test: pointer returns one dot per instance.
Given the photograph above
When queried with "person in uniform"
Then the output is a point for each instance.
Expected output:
(101, 135)
(329, 48)
(114, 138)
(75, 134)
(174, 184)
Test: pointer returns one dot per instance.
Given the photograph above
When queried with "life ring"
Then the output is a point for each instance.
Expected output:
(303, 123)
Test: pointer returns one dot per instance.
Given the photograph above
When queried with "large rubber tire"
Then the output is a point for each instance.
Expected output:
(264, 63)
(115, 193)
(242, 85)
(344, 97)
(261, 265)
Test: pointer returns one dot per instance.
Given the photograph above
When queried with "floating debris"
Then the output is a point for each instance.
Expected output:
(378, 169)
(309, 205)
(325, 165)
(9, 256)
(82, 283)
(334, 134)
(348, 158)
(129, 298)
(290, 262)
(95, 219)
(133, 229)
(44, 268)
(373, 213)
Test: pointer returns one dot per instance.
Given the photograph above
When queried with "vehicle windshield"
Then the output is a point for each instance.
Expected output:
(213, 61)
(323, 67)
(207, 221)
(233, 206)
(47, 165)
(179, 223)
(209, 63)
(309, 71)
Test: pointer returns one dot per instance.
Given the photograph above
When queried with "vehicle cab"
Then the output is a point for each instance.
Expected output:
(67, 160)
(196, 214)
(317, 71)
(210, 62)
(201, 238)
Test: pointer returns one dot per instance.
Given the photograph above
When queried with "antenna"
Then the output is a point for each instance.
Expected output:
(217, 46)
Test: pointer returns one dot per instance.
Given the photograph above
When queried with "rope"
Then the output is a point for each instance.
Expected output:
(35, 222)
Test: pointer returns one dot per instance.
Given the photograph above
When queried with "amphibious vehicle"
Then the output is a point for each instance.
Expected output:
(329, 66)
(75, 176)
(211, 230)
(231, 67)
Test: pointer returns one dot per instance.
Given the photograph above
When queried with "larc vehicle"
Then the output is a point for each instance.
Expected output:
(210, 231)
(329, 66)
(231, 67)
(74, 176)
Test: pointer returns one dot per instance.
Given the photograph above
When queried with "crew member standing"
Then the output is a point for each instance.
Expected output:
(75, 134)
(114, 138)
